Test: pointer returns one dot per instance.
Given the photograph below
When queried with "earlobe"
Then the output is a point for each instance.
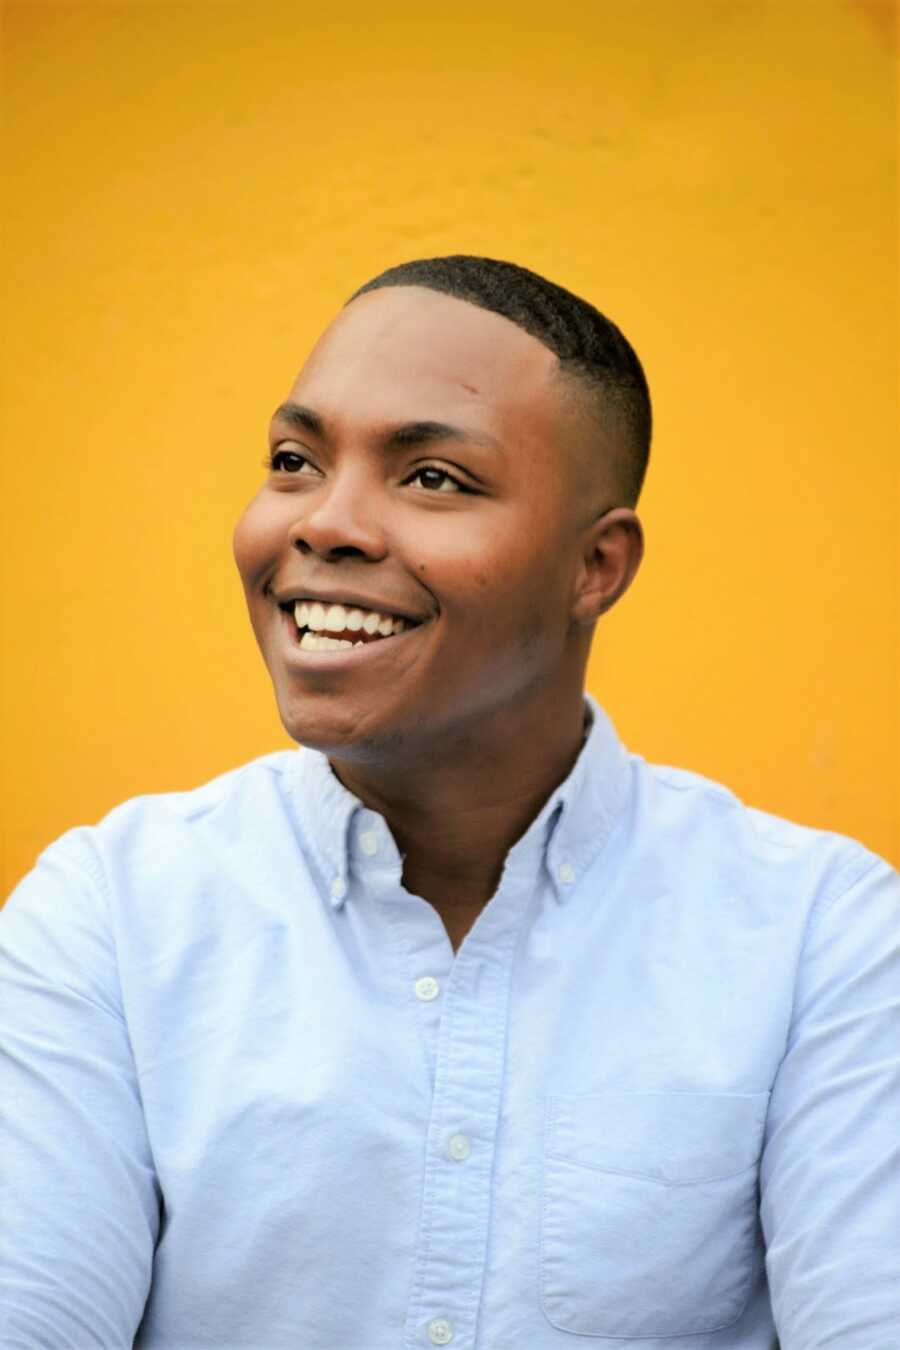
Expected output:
(613, 549)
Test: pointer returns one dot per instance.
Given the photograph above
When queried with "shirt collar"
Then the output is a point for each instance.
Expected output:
(567, 834)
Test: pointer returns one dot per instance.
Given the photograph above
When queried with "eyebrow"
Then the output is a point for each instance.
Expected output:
(401, 437)
(297, 416)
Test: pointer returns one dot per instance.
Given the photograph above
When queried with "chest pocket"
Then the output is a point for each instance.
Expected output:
(649, 1211)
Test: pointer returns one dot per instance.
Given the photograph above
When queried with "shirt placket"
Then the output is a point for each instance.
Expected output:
(462, 1133)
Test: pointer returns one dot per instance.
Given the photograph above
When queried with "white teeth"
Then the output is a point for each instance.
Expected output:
(318, 642)
(318, 618)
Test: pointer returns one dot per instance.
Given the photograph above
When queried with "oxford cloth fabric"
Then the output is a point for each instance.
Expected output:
(253, 1099)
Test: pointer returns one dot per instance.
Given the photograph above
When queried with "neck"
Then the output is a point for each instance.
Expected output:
(455, 810)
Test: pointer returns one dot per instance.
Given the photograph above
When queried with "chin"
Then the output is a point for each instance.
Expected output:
(342, 733)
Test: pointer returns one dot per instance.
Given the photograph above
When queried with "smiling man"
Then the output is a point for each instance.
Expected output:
(460, 1024)
(447, 514)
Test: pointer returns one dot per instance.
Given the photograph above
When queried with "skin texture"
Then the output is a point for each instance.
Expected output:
(458, 730)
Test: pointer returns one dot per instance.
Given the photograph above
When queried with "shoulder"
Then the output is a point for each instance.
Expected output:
(159, 832)
(164, 875)
(711, 830)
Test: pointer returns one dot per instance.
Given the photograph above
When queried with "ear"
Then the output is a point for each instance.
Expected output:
(611, 555)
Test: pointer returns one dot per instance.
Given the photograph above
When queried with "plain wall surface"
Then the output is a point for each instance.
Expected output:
(193, 189)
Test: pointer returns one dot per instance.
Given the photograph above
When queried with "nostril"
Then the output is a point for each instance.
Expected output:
(346, 551)
(330, 554)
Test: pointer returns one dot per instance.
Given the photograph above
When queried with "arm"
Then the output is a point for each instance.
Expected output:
(830, 1173)
(79, 1201)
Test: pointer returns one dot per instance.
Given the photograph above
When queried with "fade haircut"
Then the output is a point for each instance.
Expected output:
(587, 344)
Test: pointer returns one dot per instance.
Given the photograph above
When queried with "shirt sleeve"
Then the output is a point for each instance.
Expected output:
(830, 1170)
(79, 1200)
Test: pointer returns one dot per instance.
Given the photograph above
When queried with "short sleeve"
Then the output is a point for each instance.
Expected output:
(79, 1200)
(830, 1172)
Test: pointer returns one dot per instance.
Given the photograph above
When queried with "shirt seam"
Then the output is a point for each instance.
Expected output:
(838, 890)
(90, 864)
(84, 861)
(820, 907)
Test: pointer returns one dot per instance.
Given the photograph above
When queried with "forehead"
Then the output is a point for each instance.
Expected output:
(405, 353)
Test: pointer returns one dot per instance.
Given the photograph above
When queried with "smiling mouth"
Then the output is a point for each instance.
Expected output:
(319, 627)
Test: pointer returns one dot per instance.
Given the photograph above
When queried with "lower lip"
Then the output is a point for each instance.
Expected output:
(313, 658)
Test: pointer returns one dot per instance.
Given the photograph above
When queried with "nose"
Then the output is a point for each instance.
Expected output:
(341, 519)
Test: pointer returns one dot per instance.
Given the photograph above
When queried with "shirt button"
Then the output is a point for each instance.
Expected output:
(440, 1331)
(566, 873)
(338, 887)
(368, 842)
(427, 988)
(458, 1147)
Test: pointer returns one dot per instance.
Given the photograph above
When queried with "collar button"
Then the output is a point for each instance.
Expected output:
(368, 842)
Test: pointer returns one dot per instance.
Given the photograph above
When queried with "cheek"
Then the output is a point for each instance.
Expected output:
(491, 582)
(484, 551)
(253, 539)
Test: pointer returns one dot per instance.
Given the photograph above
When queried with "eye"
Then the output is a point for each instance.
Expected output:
(437, 480)
(273, 462)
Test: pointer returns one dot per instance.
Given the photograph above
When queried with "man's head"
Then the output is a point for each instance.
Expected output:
(466, 468)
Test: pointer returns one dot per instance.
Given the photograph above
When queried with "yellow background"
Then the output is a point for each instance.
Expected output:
(194, 188)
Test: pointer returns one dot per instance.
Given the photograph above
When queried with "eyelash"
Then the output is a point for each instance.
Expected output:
(270, 463)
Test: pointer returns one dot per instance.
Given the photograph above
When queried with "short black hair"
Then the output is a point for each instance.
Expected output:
(587, 344)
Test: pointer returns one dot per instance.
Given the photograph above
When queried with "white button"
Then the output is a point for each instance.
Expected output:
(338, 887)
(427, 988)
(368, 842)
(440, 1331)
(458, 1147)
(566, 873)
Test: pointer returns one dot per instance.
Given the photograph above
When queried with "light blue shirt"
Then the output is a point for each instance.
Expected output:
(254, 1100)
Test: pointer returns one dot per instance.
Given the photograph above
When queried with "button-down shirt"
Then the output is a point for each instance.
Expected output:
(254, 1099)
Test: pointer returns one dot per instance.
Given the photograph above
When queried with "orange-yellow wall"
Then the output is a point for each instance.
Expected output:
(196, 187)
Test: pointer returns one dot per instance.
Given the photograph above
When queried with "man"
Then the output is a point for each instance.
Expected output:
(461, 1024)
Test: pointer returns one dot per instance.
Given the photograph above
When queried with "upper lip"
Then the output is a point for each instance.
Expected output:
(350, 600)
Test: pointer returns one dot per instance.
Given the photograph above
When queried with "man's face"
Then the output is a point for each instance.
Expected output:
(426, 468)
